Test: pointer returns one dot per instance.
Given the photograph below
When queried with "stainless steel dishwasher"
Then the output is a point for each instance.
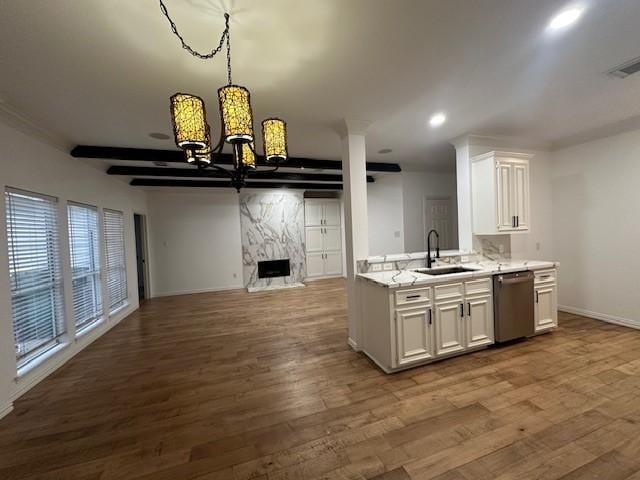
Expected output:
(513, 305)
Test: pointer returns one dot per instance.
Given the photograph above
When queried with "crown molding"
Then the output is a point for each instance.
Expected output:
(13, 118)
(499, 142)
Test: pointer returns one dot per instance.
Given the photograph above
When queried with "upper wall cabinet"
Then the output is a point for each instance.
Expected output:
(500, 193)
(321, 212)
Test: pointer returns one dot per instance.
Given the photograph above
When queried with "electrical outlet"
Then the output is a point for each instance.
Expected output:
(464, 259)
(387, 266)
(376, 267)
(501, 248)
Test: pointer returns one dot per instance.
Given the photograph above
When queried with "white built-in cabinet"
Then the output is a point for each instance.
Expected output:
(427, 322)
(500, 188)
(323, 237)
(546, 300)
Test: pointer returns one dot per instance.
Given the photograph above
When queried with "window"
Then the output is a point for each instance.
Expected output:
(35, 276)
(85, 264)
(116, 269)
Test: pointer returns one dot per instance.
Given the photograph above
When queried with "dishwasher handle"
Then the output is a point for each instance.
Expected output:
(508, 280)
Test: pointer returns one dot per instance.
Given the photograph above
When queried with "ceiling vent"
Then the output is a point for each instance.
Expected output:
(626, 69)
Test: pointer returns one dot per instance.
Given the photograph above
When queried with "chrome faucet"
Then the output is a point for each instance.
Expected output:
(429, 259)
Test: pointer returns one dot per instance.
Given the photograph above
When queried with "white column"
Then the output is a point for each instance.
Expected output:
(354, 171)
(463, 177)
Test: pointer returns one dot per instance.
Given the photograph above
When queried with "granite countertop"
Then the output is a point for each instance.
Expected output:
(408, 278)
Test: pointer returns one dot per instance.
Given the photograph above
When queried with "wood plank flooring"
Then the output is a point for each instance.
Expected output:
(238, 386)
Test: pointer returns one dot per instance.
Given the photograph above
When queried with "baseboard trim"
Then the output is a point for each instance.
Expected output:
(6, 410)
(624, 322)
(192, 292)
(352, 343)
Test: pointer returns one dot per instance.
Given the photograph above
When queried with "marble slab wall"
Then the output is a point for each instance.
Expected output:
(272, 228)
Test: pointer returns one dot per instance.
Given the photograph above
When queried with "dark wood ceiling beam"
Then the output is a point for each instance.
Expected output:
(153, 182)
(151, 155)
(210, 173)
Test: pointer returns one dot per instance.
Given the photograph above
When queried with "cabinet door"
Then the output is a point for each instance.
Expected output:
(313, 212)
(479, 327)
(332, 239)
(521, 195)
(413, 335)
(448, 328)
(315, 265)
(546, 311)
(333, 263)
(314, 239)
(331, 213)
(505, 196)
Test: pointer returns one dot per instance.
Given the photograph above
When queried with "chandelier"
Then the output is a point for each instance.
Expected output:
(192, 133)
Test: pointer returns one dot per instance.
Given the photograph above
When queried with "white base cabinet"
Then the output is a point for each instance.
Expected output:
(546, 301)
(410, 326)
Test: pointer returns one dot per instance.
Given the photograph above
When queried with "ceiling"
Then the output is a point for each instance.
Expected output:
(98, 72)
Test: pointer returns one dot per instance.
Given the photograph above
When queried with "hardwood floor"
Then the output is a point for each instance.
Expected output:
(233, 385)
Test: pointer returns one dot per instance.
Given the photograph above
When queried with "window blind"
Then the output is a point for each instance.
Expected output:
(35, 276)
(84, 248)
(116, 268)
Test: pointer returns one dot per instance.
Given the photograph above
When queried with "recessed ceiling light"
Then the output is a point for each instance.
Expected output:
(384, 151)
(159, 136)
(437, 119)
(565, 18)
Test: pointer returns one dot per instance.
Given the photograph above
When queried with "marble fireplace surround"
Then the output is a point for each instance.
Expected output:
(272, 228)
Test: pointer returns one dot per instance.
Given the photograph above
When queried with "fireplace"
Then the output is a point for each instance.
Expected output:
(274, 268)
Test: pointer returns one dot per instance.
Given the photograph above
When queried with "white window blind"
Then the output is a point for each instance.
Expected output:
(35, 275)
(84, 248)
(116, 268)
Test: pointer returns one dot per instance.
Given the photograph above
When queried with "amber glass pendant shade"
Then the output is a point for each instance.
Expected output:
(248, 157)
(189, 121)
(274, 135)
(235, 111)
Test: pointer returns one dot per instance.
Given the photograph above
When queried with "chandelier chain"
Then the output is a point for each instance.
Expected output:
(203, 56)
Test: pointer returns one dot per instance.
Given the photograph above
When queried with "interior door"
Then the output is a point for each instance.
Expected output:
(479, 329)
(315, 265)
(332, 263)
(313, 212)
(332, 239)
(413, 335)
(314, 239)
(505, 196)
(521, 195)
(331, 212)
(438, 215)
(449, 333)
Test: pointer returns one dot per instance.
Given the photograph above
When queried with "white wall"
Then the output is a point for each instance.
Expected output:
(416, 186)
(194, 241)
(385, 211)
(596, 226)
(28, 164)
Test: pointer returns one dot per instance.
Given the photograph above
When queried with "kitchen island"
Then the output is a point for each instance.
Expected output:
(416, 316)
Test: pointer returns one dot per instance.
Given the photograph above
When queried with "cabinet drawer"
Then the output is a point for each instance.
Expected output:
(476, 287)
(450, 291)
(545, 276)
(411, 296)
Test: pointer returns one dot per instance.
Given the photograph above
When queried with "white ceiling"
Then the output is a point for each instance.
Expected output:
(100, 72)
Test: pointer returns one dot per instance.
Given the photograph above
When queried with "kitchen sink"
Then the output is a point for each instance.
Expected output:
(443, 271)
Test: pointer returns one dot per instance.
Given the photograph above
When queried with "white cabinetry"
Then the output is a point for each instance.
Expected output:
(323, 237)
(411, 326)
(500, 193)
(546, 300)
